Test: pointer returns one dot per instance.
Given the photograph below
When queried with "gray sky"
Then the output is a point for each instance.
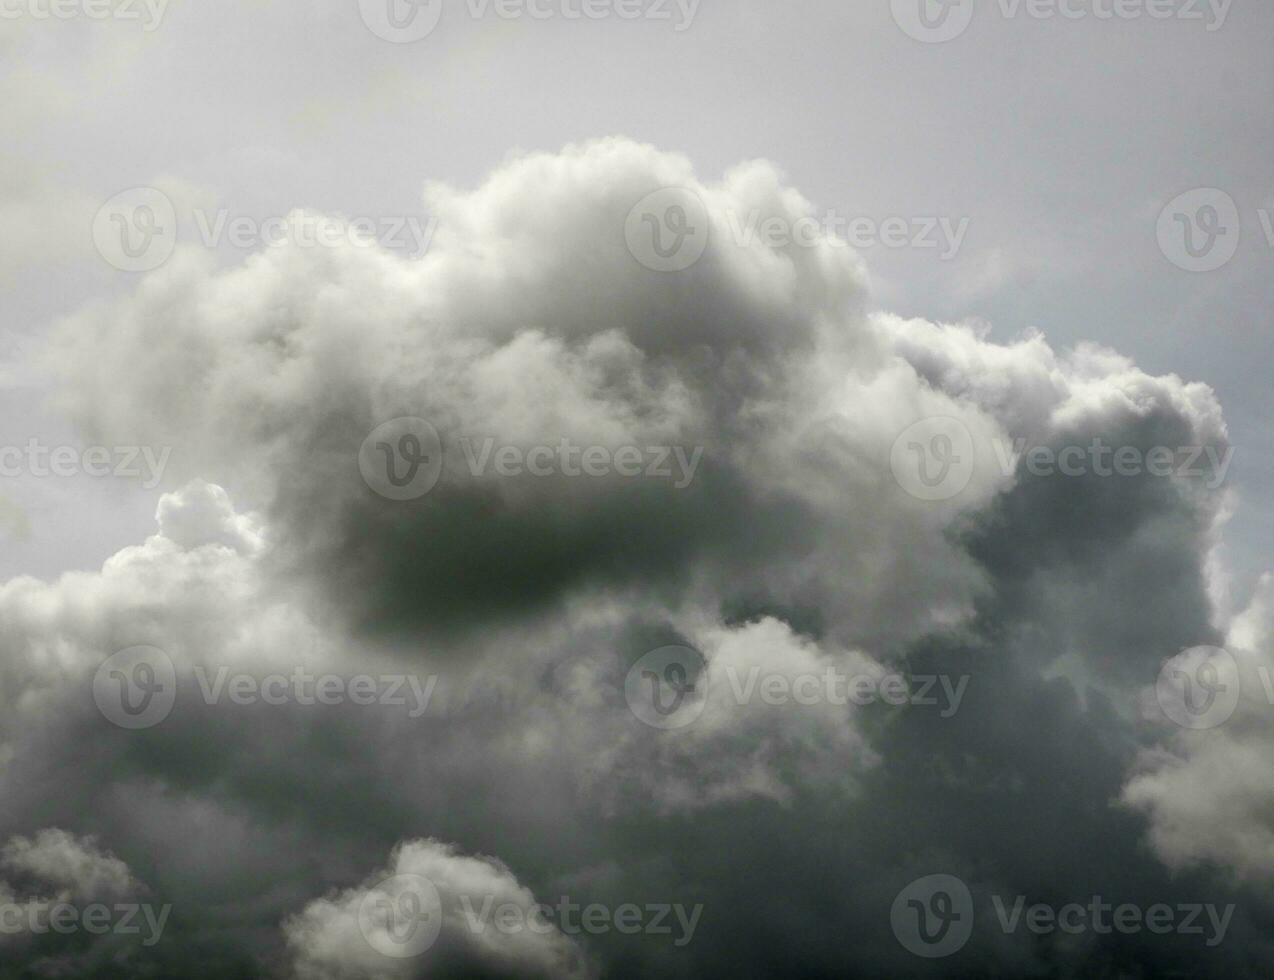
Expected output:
(1059, 140)
(1047, 178)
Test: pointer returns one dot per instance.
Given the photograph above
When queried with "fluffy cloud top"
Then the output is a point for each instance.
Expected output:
(330, 936)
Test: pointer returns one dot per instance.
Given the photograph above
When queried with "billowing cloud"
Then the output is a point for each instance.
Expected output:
(69, 909)
(346, 936)
(1208, 791)
(819, 494)
(69, 863)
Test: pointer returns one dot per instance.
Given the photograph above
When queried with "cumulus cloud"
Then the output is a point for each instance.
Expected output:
(269, 387)
(796, 550)
(65, 905)
(761, 731)
(342, 936)
(69, 863)
(1208, 792)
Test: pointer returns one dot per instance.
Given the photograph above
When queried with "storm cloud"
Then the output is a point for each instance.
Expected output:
(1024, 616)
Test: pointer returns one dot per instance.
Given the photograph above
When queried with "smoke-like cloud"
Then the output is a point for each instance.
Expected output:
(1038, 605)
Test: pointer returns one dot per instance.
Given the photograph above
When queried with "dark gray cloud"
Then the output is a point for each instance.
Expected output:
(796, 552)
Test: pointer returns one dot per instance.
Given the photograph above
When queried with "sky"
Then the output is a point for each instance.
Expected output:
(518, 356)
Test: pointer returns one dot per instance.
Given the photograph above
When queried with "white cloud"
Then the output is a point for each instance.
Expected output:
(328, 942)
(1209, 794)
(73, 865)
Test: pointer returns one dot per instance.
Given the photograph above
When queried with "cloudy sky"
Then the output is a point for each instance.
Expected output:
(623, 488)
